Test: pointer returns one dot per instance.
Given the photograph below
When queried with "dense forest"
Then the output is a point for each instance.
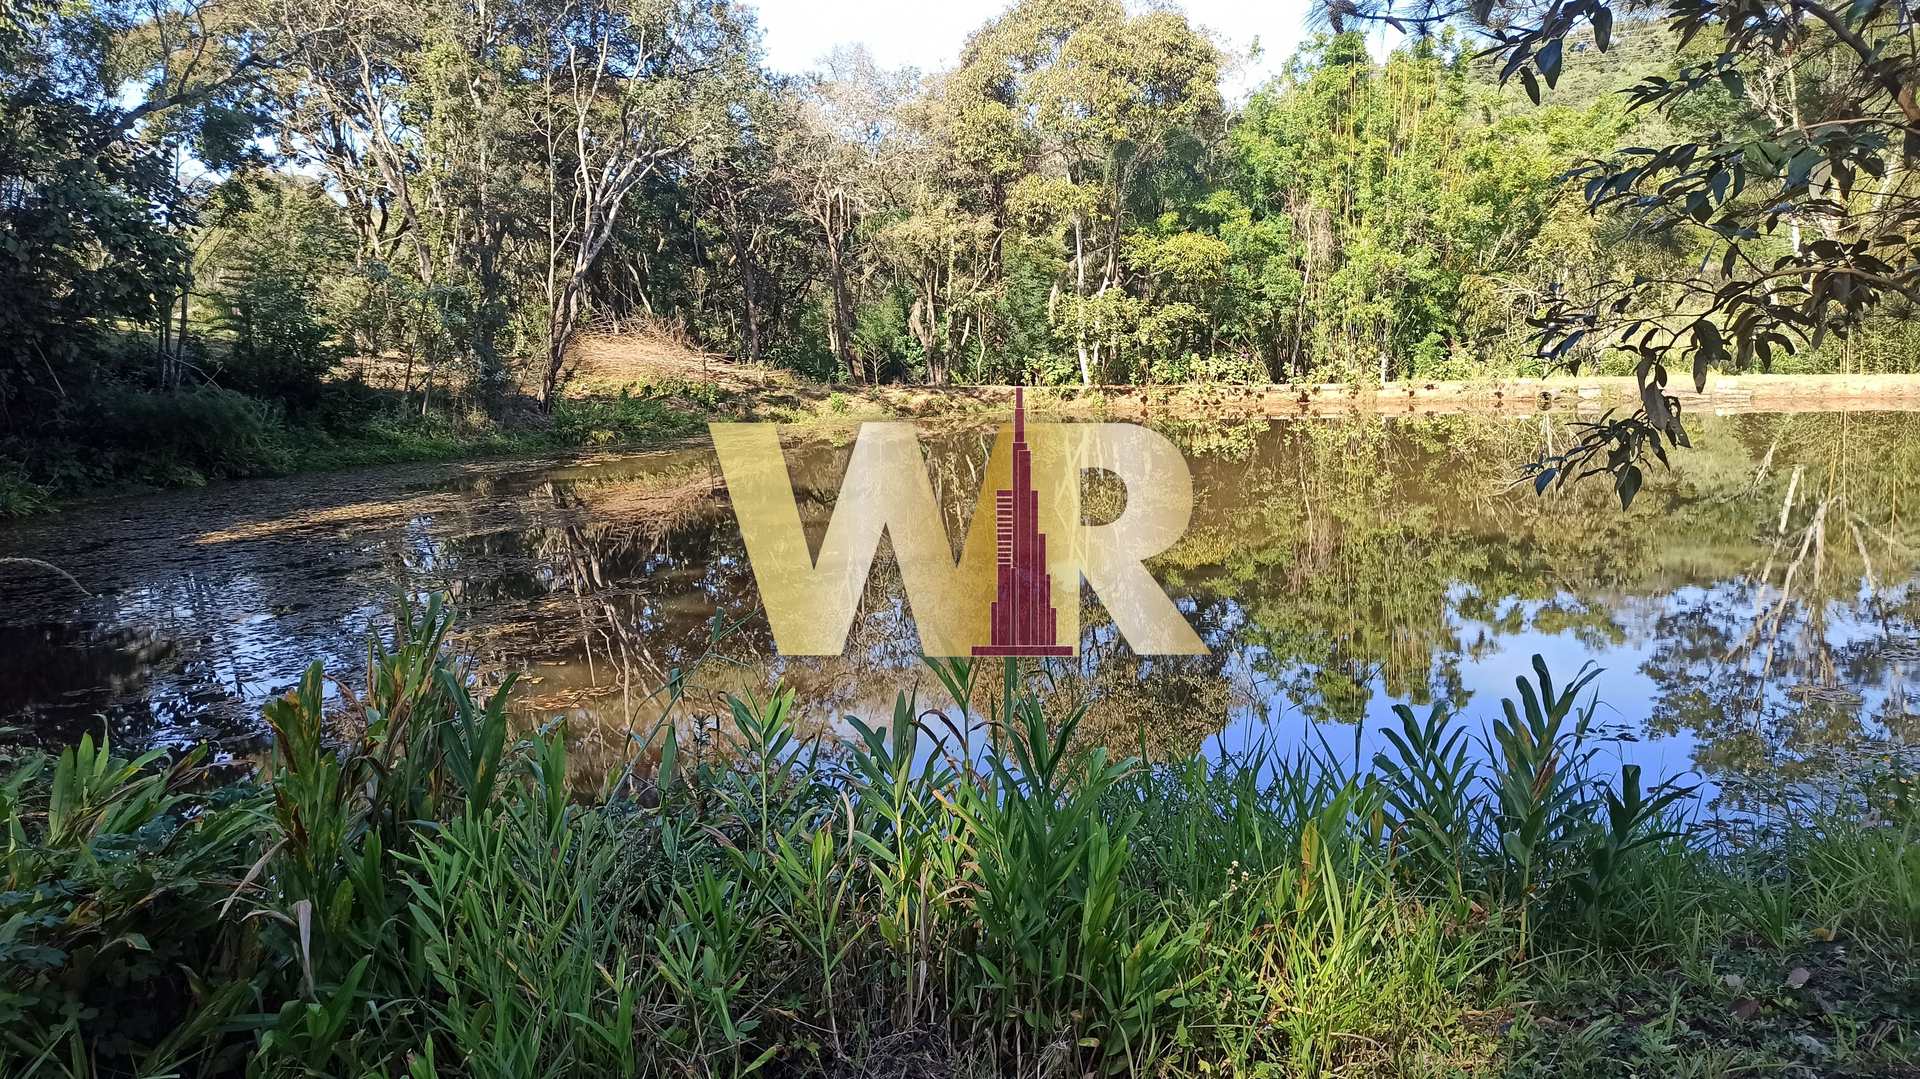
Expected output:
(207, 207)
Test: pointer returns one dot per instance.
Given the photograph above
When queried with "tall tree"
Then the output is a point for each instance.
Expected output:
(838, 153)
(627, 86)
(1837, 150)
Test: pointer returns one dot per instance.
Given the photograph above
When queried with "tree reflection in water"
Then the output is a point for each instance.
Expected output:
(1755, 610)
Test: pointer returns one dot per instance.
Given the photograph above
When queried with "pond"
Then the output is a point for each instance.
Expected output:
(1754, 613)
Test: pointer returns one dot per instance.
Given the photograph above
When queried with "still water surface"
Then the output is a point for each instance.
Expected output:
(1754, 613)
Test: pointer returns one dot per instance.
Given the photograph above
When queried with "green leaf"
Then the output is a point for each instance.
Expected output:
(1628, 485)
(1549, 62)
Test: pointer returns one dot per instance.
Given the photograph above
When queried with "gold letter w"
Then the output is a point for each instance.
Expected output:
(810, 602)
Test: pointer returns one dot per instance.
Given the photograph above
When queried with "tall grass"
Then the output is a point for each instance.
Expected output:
(409, 888)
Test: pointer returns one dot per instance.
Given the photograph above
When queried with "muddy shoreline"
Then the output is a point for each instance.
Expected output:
(1724, 395)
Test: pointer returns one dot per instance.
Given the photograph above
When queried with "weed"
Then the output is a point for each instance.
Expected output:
(20, 496)
(411, 888)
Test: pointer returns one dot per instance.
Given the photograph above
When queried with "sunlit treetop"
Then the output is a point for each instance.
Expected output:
(1803, 197)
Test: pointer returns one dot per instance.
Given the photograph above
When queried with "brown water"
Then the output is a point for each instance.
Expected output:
(1754, 613)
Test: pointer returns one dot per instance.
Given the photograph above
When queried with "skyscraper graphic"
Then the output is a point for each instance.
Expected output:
(1023, 614)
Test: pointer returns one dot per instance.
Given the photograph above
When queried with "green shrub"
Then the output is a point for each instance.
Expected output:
(191, 434)
(111, 933)
(282, 350)
(608, 421)
(706, 394)
(19, 495)
(283, 241)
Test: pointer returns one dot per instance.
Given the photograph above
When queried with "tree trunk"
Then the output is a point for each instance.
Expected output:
(842, 311)
(753, 311)
(1080, 290)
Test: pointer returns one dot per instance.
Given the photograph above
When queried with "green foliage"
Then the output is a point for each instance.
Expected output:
(1075, 200)
(279, 243)
(520, 936)
(111, 928)
(1429, 790)
(190, 435)
(20, 496)
(1770, 124)
(602, 421)
(1057, 949)
(1540, 802)
(413, 891)
(88, 227)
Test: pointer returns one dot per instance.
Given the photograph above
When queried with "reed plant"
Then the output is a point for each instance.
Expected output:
(412, 887)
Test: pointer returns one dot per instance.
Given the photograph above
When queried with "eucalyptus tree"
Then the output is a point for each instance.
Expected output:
(755, 220)
(840, 155)
(1124, 97)
(492, 148)
(637, 83)
(1046, 143)
(945, 256)
(392, 105)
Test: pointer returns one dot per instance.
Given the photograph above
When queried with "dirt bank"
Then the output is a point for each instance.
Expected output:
(1724, 395)
(606, 362)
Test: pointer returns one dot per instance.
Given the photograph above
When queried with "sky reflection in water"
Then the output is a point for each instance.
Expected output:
(1334, 567)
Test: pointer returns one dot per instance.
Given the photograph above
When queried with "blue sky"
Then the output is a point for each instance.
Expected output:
(929, 35)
